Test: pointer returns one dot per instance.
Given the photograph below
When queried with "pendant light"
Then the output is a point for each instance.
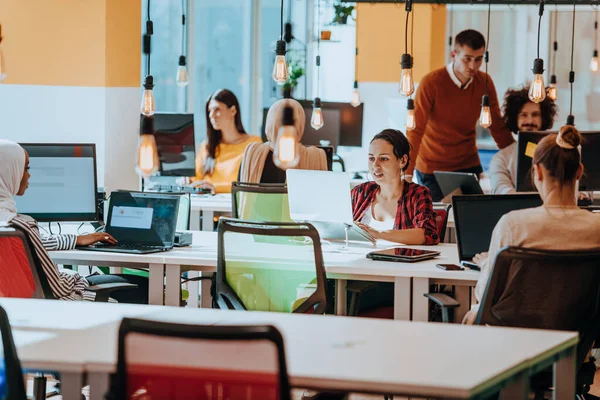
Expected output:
(407, 85)
(147, 162)
(316, 120)
(571, 117)
(594, 65)
(148, 106)
(537, 90)
(411, 121)
(287, 153)
(2, 66)
(280, 69)
(355, 99)
(485, 117)
(182, 78)
(553, 90)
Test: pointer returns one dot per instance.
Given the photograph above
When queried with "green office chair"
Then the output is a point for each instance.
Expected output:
(270, 267)
(266, 202)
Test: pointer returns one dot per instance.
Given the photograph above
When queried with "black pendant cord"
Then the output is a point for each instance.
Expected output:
(487, 46)
(541, 12)
(412, 35)
(555, 41)
(451, 26)
(572, 72)
(406, 34)
(596, 31)
(148, 24)
(318, 45)
(183, 27)
(281, 19)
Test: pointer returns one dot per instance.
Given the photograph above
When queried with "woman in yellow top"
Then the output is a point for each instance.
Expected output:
(220, 155)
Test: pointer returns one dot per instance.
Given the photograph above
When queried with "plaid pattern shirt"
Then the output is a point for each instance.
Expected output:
(415, 208)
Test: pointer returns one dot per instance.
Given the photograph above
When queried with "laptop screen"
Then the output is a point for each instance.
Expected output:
(475, 218)
(143, 218)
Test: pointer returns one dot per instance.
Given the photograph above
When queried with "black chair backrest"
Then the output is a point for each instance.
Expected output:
(545, 289)
(15, 388)
(247, 187)
(240, 342)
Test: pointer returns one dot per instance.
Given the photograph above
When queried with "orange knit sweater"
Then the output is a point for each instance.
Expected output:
(446, 117)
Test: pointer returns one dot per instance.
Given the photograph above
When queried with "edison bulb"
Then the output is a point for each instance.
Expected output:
(286, 154)
(411, 122)
(355, 101)
(553, 92)
(280, 70)
(407, 86)
(147, 157)
(537, 90)
(485, 118)
(148, 107)
(2, 66)
(182, 76)
(317, 121)
(594, 65)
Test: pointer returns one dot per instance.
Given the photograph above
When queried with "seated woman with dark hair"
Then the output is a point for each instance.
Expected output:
(391, 208)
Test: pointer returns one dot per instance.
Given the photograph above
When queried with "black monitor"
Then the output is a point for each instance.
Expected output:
(476, 216)
(174, 135)
(590, 148)
(343, 124)
(63, 183)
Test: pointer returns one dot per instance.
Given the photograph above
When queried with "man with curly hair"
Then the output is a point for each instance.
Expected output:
(520, 114)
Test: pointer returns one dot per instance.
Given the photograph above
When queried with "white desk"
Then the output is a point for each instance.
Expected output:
(207, 206)
(338, 353)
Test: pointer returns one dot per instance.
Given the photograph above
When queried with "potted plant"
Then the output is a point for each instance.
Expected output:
(342, 12)
(296, 71)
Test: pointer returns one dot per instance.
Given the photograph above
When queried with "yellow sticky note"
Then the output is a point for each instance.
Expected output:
(530, 149)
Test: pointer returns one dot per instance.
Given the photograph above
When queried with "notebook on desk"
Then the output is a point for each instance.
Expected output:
(141, 223)
(322, 198)
(476, 216)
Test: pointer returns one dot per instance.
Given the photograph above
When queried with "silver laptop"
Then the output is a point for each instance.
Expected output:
(323, 199)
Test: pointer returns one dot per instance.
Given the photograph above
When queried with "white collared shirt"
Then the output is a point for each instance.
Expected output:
(455, 79)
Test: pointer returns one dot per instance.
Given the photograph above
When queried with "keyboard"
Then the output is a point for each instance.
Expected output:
(179, 189)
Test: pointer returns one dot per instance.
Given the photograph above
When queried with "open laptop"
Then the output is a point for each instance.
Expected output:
(475, 218)
(141, 223)
(323, 199)
(450, 181)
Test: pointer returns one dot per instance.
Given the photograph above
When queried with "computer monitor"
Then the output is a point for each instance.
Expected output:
(350, 124)
(174, 135)
(63, 183)
(476, 216)
(590, 148)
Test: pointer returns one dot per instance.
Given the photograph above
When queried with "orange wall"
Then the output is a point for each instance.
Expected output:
(71, 42)
(380, 40)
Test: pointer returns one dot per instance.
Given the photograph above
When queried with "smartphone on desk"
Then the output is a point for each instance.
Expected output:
(449, 267)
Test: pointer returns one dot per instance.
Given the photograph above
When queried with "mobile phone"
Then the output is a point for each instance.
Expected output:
(470, 265)
(450, 267)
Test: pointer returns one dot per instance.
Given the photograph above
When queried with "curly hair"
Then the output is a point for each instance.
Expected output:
(515, 99)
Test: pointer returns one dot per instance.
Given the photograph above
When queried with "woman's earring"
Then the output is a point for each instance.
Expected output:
(402, 175)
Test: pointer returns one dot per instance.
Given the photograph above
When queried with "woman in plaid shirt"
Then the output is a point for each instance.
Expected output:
(391, 208)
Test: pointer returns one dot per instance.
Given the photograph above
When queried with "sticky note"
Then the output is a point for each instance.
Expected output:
(530, 149)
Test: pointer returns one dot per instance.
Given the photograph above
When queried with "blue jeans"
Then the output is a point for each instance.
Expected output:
(430, 181)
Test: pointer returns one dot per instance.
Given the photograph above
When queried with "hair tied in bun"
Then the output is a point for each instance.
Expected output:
(566, 136)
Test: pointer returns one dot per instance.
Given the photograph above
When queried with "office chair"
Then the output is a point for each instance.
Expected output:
(270, 267)
(266, 202)
(544, 289)
(441, 220)
(12, 386)
(162, 360)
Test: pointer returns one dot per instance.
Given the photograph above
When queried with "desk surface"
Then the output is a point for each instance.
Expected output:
(355, 354)
(351, 264)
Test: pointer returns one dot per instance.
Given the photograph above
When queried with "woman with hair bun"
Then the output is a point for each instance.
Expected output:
(556, 225)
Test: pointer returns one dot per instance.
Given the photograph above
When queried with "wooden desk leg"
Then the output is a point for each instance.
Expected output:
(195, 219)
(173, 283)
(463, 296)
(99, 382)
(156, 283)
(420, 303)
(208, 218)
(340, 297)
(193, 287)
(518, 389)
(206, 298)
(70, 385)
(402, 299)
(564, 376)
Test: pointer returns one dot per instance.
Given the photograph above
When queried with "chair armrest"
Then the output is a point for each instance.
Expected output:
(104, 290)
(442, 299)
(360, 286)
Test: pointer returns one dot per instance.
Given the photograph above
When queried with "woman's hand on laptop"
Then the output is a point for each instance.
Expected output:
(375, 233)
(203, 185)
(480, 258)
(86, 240)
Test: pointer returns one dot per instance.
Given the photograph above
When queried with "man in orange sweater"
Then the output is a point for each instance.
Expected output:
(447, 108)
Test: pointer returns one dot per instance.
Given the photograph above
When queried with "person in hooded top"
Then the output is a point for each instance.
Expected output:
(65, 285)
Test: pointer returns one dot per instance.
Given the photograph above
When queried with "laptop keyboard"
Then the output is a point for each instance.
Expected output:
(131, 246)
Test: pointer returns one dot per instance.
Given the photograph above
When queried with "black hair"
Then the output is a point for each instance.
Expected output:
(400, 143)
(515, 99)
(470, 38)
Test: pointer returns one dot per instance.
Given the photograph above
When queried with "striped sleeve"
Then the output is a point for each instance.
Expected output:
(59, 242)
(65, 285)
